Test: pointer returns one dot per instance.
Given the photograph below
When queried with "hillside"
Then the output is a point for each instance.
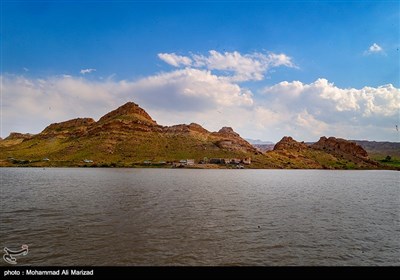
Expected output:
(380, 149)
(128, 136)
(387, 153)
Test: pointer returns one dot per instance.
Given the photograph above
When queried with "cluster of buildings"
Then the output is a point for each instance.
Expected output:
(191, 162)
(230, 160)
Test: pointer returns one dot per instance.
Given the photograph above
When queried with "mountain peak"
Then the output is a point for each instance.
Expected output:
(288, 143)
(228, 130)
(128, 109)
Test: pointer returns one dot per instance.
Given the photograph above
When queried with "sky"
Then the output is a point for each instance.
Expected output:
(267, 69)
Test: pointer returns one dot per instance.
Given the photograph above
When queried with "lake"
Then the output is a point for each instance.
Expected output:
(127, 217)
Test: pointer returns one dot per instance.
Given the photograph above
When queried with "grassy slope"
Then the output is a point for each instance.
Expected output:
(122, 149)
(394, 162)
(119, 148)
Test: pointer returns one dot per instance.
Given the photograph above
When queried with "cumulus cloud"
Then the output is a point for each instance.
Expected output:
(185, 90)
(374, 48)
(233, 66)
(175, 60)
(206, 89)
(321, 94)
(87, 71)
(304, 111)
(189, 90)
(325, 108)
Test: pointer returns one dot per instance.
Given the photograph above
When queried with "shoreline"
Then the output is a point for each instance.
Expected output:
(216, 167)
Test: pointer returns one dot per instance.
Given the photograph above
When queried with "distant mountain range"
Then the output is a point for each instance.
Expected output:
(129, 137)
(259, 142)
(380, 149)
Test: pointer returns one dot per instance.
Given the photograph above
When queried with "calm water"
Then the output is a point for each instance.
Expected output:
(201, 217)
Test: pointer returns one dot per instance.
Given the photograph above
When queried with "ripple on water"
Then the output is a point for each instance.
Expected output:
(201, 217)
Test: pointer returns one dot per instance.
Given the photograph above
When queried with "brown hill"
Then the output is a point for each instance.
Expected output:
(288, 143)
(18, 136)
(380, 149)
(15, 138)
(128, 136)
(74, 127)
(342, 148)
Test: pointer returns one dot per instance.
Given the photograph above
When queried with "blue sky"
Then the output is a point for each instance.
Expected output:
(335, 57)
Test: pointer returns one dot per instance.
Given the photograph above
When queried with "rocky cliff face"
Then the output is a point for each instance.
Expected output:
(341, 147)
(288, 143)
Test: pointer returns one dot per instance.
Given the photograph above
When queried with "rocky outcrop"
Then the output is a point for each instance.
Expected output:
(74, 127)
(288, 143)
(226, 138)
(124, 120)
(185, 128)
(228, 131)
(16, 136)
(129, 112)
(341, 147)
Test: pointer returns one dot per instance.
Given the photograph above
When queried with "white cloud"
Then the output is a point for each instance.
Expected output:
(175, 60)
(87, 71)
(186, 90)
(382, 100)
(309, 123)
(235, 66)
(29, 105)
(304, 111)
(345, 112)
(374, 48)
(206, 89)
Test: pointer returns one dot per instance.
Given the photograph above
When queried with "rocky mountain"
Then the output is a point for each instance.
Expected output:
(342, 148)
(327, 153)
(128, 136)
(288, 143)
